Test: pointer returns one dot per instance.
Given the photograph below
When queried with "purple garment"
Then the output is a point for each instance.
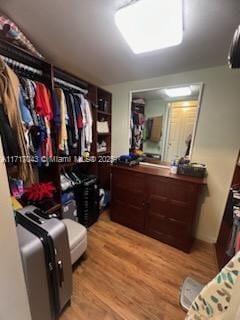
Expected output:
(56, 110)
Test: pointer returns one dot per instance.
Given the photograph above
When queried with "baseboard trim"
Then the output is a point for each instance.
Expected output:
(206, 238)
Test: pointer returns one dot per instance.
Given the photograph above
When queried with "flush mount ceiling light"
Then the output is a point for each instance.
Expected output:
(149, 25)
(178, 92)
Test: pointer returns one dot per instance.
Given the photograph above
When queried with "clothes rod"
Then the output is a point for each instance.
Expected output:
(17, 64)
(69, 85)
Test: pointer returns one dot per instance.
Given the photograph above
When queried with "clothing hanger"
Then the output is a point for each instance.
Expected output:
(22, 68)
(69, 85)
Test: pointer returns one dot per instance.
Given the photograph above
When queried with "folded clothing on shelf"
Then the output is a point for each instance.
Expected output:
(67, 197)
(102, 146)
(66, 183)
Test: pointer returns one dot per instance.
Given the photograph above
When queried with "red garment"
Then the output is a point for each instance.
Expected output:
(39, 191)
(79, 121)
(44, 107)
(43, 101)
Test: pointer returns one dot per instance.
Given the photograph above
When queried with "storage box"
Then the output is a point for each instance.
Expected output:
(192, 170)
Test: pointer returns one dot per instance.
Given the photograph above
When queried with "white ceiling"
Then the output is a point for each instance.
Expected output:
(159, 94)
(80, 36)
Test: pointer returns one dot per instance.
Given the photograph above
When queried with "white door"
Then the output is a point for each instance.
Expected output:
(182, 119)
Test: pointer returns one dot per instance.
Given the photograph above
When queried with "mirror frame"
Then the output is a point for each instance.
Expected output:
(200, 96)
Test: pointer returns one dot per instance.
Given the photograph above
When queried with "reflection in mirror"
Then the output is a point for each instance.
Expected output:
(163, 122)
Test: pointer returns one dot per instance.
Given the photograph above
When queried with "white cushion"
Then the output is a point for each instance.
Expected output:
(77, 236)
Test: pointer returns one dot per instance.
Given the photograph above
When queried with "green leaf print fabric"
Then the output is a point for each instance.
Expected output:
(220, 299)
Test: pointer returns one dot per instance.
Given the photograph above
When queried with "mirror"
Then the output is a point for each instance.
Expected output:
(163, 122)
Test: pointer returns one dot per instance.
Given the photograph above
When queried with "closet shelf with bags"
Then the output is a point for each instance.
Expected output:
(54, 114)
(103, 121)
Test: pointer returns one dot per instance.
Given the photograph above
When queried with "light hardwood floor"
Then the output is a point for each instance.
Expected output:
(129, 276)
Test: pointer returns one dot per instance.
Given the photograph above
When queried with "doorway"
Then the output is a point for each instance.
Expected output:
(180, 129)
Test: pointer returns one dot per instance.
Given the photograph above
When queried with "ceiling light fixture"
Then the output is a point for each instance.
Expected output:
(178, 92)
(149, 25)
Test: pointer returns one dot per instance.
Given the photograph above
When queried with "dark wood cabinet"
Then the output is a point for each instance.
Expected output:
(128, 199)
(225, 232)
(156, 203)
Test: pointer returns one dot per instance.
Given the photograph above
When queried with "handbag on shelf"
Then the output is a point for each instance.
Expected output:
(102, 127)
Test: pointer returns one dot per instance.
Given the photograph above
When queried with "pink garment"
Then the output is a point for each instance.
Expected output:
(141, 118)
(237, 246)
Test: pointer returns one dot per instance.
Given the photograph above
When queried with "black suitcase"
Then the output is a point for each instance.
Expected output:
(87, 199)
(53, 236)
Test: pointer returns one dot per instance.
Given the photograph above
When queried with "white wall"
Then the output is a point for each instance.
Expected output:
(217, 138)
(13, 295)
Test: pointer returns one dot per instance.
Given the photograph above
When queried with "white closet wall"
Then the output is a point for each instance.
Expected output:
(13, 295)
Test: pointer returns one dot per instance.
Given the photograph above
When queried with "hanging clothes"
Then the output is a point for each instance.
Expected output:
(56, 110)
(84, 122)
(137, 126)
(79, 119)
(10, 148)
(42, 101)
(87, 121)
(63, 137)
(9, 95)
(78, 111)
(42, 121)
(71, 125)
(25, 112)
(75, 134)
(73, 106)
(44, 109)
(30, 88)
(88, 126)
(235, 232)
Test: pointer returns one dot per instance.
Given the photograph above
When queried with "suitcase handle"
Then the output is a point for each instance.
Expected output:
(60, 272)
(49, 253)
(33, 217)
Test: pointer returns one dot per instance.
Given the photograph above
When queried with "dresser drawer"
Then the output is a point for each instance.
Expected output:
(165, 207)
(168, 230)
(129, 215)
(161, 206)
(122, 178)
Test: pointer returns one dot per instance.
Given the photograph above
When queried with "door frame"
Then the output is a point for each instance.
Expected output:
(167, 129)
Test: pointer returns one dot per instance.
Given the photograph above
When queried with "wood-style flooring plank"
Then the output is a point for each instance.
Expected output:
(129, 276)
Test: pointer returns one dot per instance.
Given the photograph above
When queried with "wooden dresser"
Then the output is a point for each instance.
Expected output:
(155, 202)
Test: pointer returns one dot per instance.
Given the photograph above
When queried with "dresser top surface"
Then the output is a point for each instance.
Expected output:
(161, 172)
